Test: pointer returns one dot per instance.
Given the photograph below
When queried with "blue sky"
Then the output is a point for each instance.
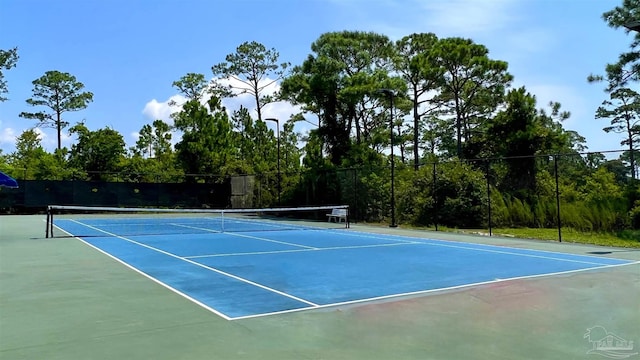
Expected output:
(128, 52)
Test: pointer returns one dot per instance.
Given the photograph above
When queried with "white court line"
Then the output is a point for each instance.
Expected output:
(152, 278)
(359, 234)
(203, 266)
(422, 292)
(297, 250)
(436, 242)
(274, 241)
(195, 228)
(430, 242)
(384, 237)
(518, 254)
(249, 237)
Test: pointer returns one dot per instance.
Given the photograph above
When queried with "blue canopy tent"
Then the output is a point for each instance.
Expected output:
(7, 181)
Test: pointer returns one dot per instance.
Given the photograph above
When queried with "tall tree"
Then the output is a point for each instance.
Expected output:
(193, 86)
(517, 137)
(314, 85)
(255, 68)
(289, 148)
(624, 111)
(413, 62)
(518, 133)
(28, 152)
(60, 92)
(8, 60)
(627, 68)
(145, 139)
(435, 135)
(339, 82)
(256, 143)
(154, 139)
(34, 163)
(207, 145)
(161, 144)
(97, 152)
(473, 86)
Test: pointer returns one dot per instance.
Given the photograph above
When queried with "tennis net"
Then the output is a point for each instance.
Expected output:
(111, 221)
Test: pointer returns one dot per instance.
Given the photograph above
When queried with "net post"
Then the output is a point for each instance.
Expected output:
(51, 224)
(47, 224)
(49, 230)
(346, 220)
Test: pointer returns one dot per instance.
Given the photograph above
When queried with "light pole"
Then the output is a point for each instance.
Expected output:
(391, 93)
(278, 136)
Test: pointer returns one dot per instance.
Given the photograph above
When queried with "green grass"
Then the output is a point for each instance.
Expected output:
(626, 238)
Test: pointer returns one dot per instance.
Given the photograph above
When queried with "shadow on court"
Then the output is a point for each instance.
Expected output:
(61, 299)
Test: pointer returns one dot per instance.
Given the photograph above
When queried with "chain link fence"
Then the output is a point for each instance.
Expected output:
(587, 192)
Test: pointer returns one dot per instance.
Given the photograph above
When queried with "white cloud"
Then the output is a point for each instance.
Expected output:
(42, 135)
(281, 110)
(7, 137)
(48, 138)
(154, 109)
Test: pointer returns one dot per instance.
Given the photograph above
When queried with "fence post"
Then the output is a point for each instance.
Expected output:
(435, 195)
(488, 195)
(355, 194)
(555, 166)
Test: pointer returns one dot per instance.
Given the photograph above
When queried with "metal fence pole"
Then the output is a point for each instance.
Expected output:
(435, 195)
(489, 196)
(355, 194)
(555, 166)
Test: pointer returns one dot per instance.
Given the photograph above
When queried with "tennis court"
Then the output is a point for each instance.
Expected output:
(317, 290)
(240, 267)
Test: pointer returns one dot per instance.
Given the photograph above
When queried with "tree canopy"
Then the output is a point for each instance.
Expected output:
(60, 92)
(8, 60)
(467, 141)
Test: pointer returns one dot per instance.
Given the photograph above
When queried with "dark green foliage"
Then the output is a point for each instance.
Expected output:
(60, 92)
(152, 170)
(253, 67)
(8, 60)
(213, 153)
(473, 86)
(458, 105)
(338, 83)
(99, 153)
(624, 111)
(627, 68)
(414, 53)
(193, 86)
(459, 199)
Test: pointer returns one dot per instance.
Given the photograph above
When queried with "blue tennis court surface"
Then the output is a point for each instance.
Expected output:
(255, 273)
